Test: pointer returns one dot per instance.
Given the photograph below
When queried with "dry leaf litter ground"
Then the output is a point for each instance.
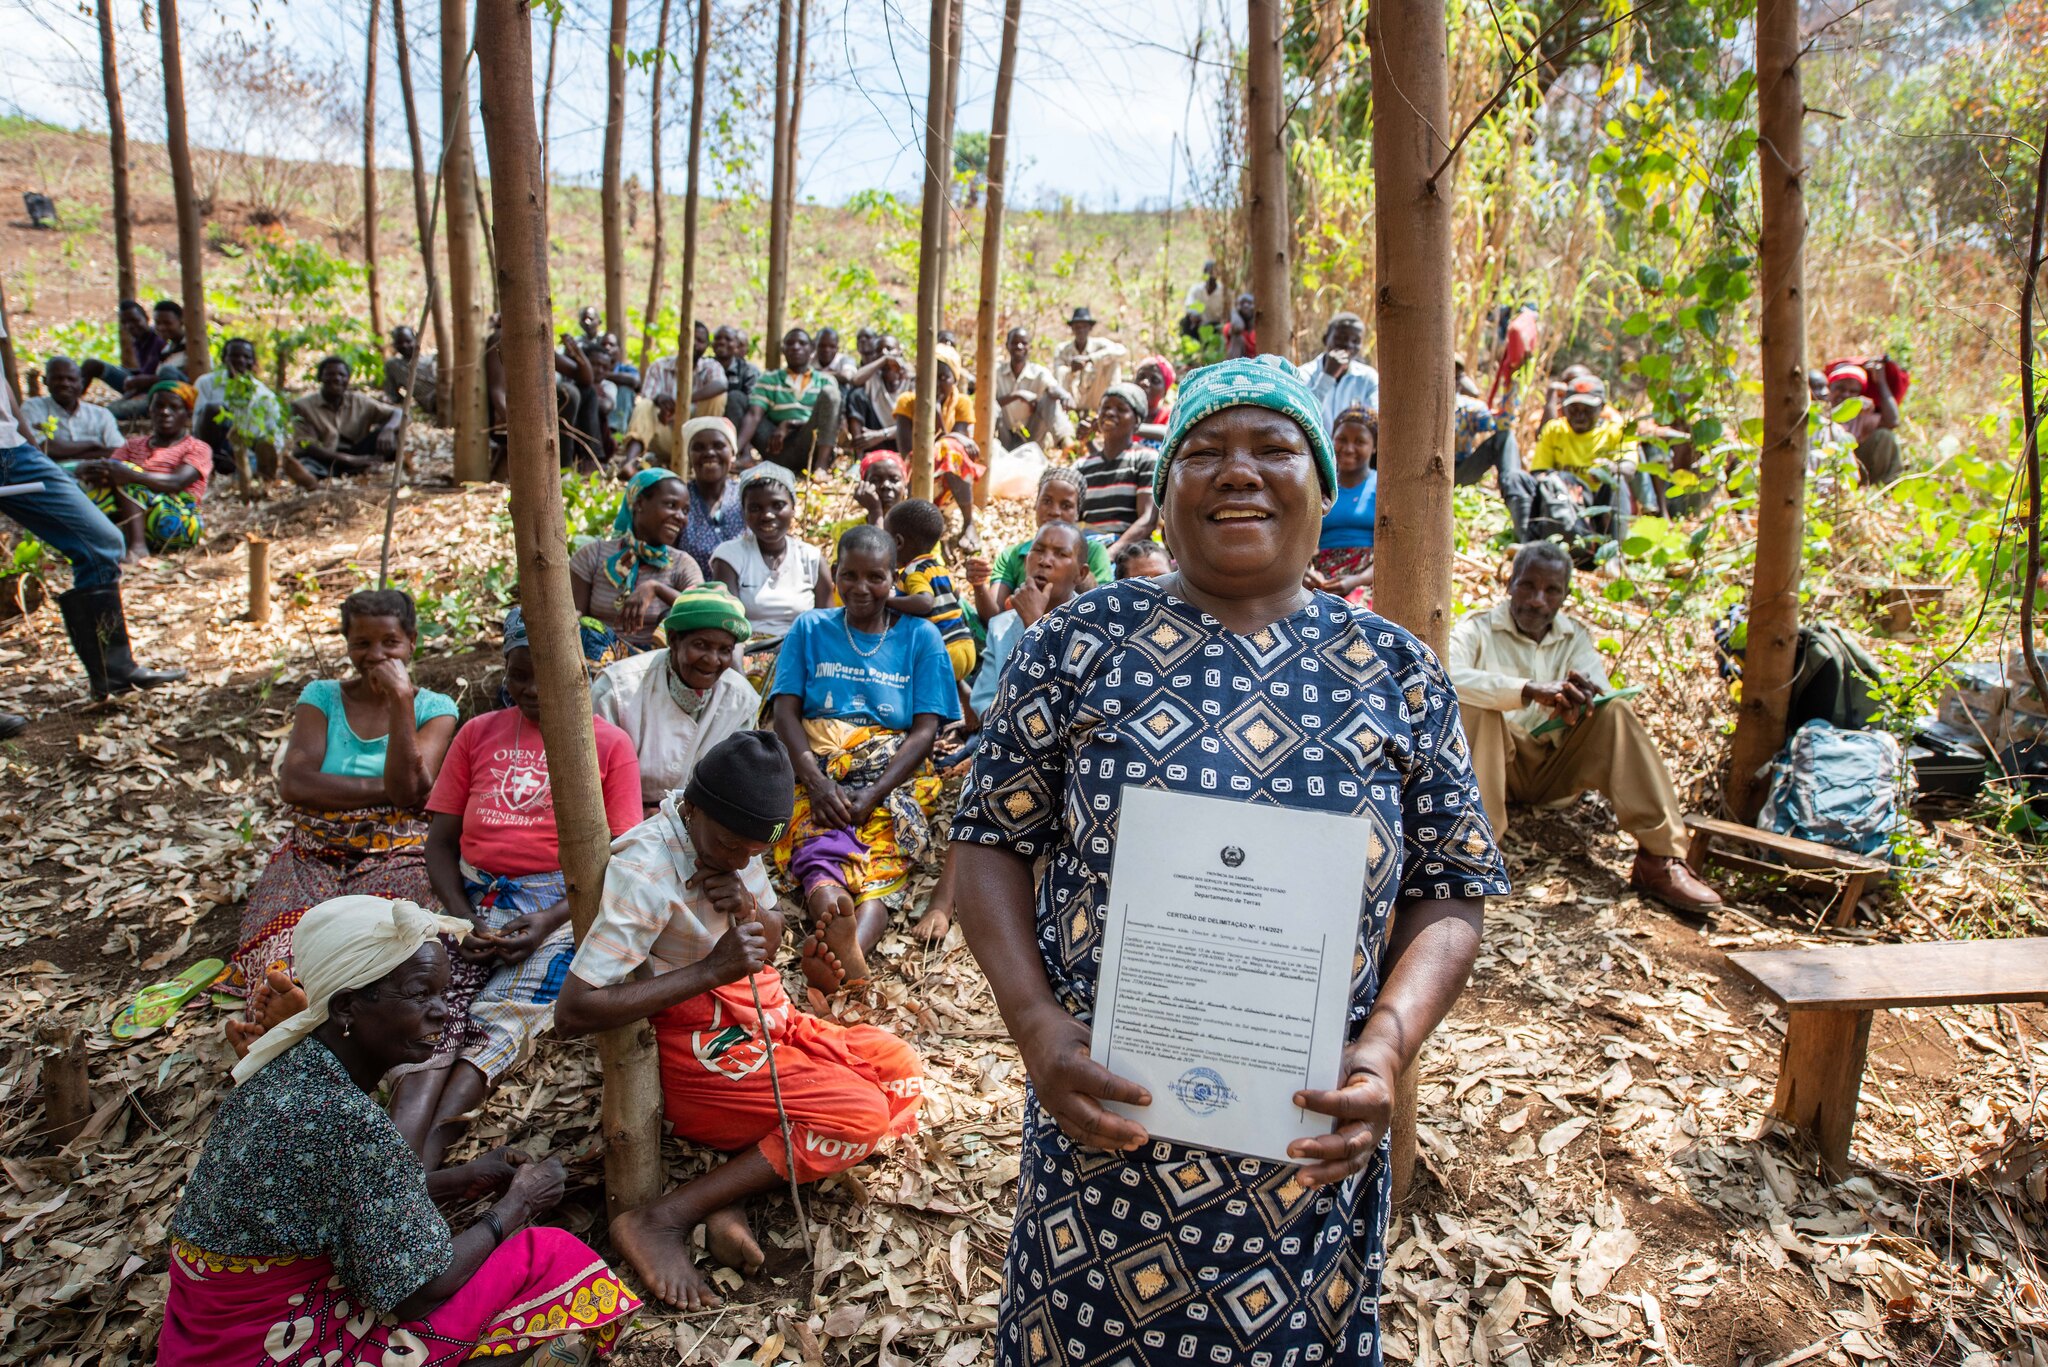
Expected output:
(1600, 1184)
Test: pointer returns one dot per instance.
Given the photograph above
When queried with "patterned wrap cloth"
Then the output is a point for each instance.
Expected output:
(371, 851)
(875, 862)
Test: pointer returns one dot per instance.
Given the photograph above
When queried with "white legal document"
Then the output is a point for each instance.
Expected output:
(1226, 967)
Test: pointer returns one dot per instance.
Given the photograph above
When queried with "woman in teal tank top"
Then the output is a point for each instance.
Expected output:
(363, 755)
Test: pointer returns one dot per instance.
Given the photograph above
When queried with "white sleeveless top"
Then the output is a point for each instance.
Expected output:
(775, 598)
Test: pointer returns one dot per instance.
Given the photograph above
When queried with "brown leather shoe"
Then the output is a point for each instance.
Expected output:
(1669, 881)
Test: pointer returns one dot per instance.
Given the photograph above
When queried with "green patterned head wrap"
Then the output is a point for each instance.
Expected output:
(1258, 381)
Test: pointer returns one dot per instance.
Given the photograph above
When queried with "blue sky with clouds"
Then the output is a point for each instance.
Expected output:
(1113, 101)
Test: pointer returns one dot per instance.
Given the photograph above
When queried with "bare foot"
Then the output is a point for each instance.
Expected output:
(933, 925)
(731, 1240)
(832, 958)
(241, 1035)
(276, 1000)
(660, 1253)
(820, 964)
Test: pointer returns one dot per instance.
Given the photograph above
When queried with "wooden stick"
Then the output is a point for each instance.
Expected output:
(796, 1195)
(987, 309)
(259, 579)
(67, 1092)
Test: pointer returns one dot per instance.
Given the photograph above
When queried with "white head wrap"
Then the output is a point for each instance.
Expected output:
(345, 943)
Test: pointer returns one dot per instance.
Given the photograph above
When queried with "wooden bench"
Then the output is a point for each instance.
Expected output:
(1797, 859)
(1830, 994)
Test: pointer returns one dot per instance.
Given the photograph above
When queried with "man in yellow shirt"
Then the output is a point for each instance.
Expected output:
(1523, 662)
(1586, 436)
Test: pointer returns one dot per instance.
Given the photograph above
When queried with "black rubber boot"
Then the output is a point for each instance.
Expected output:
(99, 633)
(11, 725)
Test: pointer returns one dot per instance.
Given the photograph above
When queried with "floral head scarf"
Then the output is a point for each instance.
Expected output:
(1258, 382)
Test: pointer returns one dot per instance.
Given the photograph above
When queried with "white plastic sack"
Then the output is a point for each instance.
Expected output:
(1015, 473)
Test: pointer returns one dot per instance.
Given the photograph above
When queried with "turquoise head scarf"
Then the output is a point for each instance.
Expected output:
(623, 566)
(622, 521)
(1262, 382)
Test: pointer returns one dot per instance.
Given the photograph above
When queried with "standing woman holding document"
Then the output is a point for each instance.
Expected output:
(1227, 679)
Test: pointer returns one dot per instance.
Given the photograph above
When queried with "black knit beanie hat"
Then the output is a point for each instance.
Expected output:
(745, 784)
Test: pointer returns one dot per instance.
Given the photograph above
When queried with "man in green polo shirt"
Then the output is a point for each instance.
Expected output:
(793, 416)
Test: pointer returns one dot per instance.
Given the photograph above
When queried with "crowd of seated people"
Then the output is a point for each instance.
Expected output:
(767, 710)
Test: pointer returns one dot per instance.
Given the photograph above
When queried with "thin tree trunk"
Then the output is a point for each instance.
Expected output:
(938, 163)
(794, 141)
(191, 246)
(547, 94)
(422, 200)
(954, 29)
(370, 173)
(117, 152)
(614, 152)
(1412, 546)
(778, 186)
(985, 313)
(660, 238)
(488, 238)
(632, 1079)
(1265, 145)
(1781, 466)
(462, 380)
(686, 335)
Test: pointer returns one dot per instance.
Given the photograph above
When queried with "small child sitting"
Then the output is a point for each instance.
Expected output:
(924, 587)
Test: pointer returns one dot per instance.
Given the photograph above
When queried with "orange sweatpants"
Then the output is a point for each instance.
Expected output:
(846, 1088)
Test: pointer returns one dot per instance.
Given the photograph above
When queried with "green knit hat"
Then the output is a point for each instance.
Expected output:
(1261, 382)
(707, 605)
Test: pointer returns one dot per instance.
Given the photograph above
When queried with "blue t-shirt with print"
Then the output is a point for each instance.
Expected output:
(856, 676)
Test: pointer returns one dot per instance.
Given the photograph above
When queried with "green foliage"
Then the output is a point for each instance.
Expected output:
(590, 502)
(296, 302)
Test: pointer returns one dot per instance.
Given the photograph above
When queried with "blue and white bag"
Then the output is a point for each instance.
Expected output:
(1847, 789)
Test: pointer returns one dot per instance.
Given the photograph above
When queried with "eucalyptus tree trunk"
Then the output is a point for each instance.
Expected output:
(938, 166)
(778, 186)
(660, 216)
(547, 94)
(462, 376)
(422, 201)
(191, 244)
(686, 336)
(1768, 660)
(632, 1078)
(1413, 542)
(1265, 138)
(613, 208)
(117, 152)
(986, 311)
(370, 174)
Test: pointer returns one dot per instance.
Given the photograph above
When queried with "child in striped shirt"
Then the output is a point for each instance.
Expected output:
(924, 587)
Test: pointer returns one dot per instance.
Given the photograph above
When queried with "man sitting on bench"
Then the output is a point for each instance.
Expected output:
(1523, 662)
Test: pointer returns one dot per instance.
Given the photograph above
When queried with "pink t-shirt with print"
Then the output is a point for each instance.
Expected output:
(496, 779)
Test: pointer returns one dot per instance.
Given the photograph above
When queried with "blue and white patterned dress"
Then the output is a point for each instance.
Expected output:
(1173, 1255)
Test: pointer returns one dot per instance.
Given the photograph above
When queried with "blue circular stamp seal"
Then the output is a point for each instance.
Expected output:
(1203, 1092)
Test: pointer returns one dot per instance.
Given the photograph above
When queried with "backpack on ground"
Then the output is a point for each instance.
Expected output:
(1847, 789)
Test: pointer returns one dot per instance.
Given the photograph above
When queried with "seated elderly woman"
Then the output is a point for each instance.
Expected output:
(363, 755)
(712, 451)
(675, 703)
(494, 862)
(776, 577)
(308, 1232)
(858, 698)
(956, 460)
(627, 580)
(152, 486)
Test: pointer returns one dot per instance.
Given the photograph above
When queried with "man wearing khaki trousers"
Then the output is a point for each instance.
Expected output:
(1522, 662)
